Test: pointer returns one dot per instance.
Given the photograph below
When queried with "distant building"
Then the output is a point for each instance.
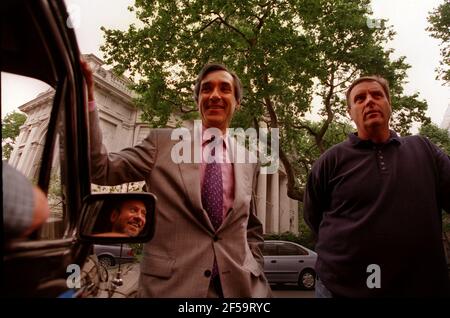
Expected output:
(122, 127)
(446, 120)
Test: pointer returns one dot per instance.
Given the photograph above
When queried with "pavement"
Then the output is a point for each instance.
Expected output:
(129, 278)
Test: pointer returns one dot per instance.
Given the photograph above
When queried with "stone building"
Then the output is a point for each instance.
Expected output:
(122, 127)
(446, 120)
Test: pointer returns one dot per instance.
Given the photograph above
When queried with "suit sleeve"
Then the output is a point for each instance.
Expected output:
(254, 226)
(128, 165)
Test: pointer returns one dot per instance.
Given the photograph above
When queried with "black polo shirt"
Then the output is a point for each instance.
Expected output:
(380, 204)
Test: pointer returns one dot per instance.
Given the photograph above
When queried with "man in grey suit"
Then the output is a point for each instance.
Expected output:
(193, 253)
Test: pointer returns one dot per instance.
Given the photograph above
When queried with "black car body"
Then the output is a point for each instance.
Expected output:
(38, 42)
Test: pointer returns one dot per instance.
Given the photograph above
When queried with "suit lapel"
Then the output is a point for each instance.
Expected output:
(241, 184)
(190, 173)
(242, 173)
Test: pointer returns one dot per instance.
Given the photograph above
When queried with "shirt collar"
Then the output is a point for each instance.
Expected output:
(207, 136)
(355, 141)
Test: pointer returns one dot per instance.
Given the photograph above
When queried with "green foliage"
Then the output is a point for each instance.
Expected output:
(55, 188)
(305, 147)
(408, 109)
(439, 28)
(440, 137)
(11, 124)
(304, 239)
(286, 53)
(10, 130)
(446, 223)
(7, 149)
(137, 248)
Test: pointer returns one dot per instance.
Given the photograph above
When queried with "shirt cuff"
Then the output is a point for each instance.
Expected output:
(91, 106)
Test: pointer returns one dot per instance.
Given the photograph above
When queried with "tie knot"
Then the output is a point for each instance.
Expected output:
(211, 145)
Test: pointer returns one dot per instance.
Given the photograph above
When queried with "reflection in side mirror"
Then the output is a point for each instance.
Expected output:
(118, 217)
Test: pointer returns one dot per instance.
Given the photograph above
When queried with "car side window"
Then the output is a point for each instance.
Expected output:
(289, 249)
(55, 226)
(269, 249)
(301, 251)
(32, 142)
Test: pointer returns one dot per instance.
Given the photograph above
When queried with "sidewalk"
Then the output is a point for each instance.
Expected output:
(130, 278)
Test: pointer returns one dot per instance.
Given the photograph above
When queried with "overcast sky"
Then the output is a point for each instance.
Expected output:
(408, 17)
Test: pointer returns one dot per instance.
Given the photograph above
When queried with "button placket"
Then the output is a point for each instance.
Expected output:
(380, 159)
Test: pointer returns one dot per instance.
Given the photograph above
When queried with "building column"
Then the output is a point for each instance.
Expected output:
(24, 165)
(284, 205)
(274, 198)
(33, 160)
(293, 211)
(13, 159)
(261, 198)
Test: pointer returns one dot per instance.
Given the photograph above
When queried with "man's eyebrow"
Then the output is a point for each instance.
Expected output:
(359, 95)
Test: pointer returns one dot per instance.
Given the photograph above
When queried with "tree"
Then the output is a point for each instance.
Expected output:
(440, 137)
(287, 53)
(10, 130)
(439, 20)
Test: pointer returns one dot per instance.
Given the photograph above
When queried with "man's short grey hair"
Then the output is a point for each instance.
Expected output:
(372, 78)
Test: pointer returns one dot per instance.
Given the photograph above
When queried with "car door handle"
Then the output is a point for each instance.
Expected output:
(273, 261)
(301, 261)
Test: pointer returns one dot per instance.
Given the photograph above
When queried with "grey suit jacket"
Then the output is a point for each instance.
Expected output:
(177, 260)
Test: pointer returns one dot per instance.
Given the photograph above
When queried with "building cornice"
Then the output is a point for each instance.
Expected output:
(41, 99)
(106, 79)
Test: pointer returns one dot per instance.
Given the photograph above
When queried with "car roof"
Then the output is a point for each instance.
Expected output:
(31, 40)
(281, 241)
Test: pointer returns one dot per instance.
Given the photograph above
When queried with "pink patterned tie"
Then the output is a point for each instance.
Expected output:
(212, 192)
(212, 198)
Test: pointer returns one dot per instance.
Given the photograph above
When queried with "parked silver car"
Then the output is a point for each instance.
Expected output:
(110, 255)
(288, 262)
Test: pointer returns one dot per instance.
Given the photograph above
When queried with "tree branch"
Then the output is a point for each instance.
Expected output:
(293, 191)
(330, 115)
(179, 106)
(347, 79)
(233, 28)
(306, 127)
(206, 26)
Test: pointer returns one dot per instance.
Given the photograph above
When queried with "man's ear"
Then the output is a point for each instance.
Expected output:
(390, 110)
(114, 216)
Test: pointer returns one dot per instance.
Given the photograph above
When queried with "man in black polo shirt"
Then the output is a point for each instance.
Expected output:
(374, 203)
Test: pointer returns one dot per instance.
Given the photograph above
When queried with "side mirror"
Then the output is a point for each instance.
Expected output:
(118, 218)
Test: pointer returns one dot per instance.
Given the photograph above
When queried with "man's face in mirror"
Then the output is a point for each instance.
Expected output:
(129, 218)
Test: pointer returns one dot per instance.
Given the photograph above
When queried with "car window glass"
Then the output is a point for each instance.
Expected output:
(34, 99)
(31, 99)
(269, 249)
(54, 228)
(288, 249)
(301, 251)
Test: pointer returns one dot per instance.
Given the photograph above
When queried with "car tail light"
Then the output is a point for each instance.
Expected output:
(130, 252)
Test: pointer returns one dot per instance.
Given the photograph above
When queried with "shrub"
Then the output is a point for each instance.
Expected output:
(305, 238)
